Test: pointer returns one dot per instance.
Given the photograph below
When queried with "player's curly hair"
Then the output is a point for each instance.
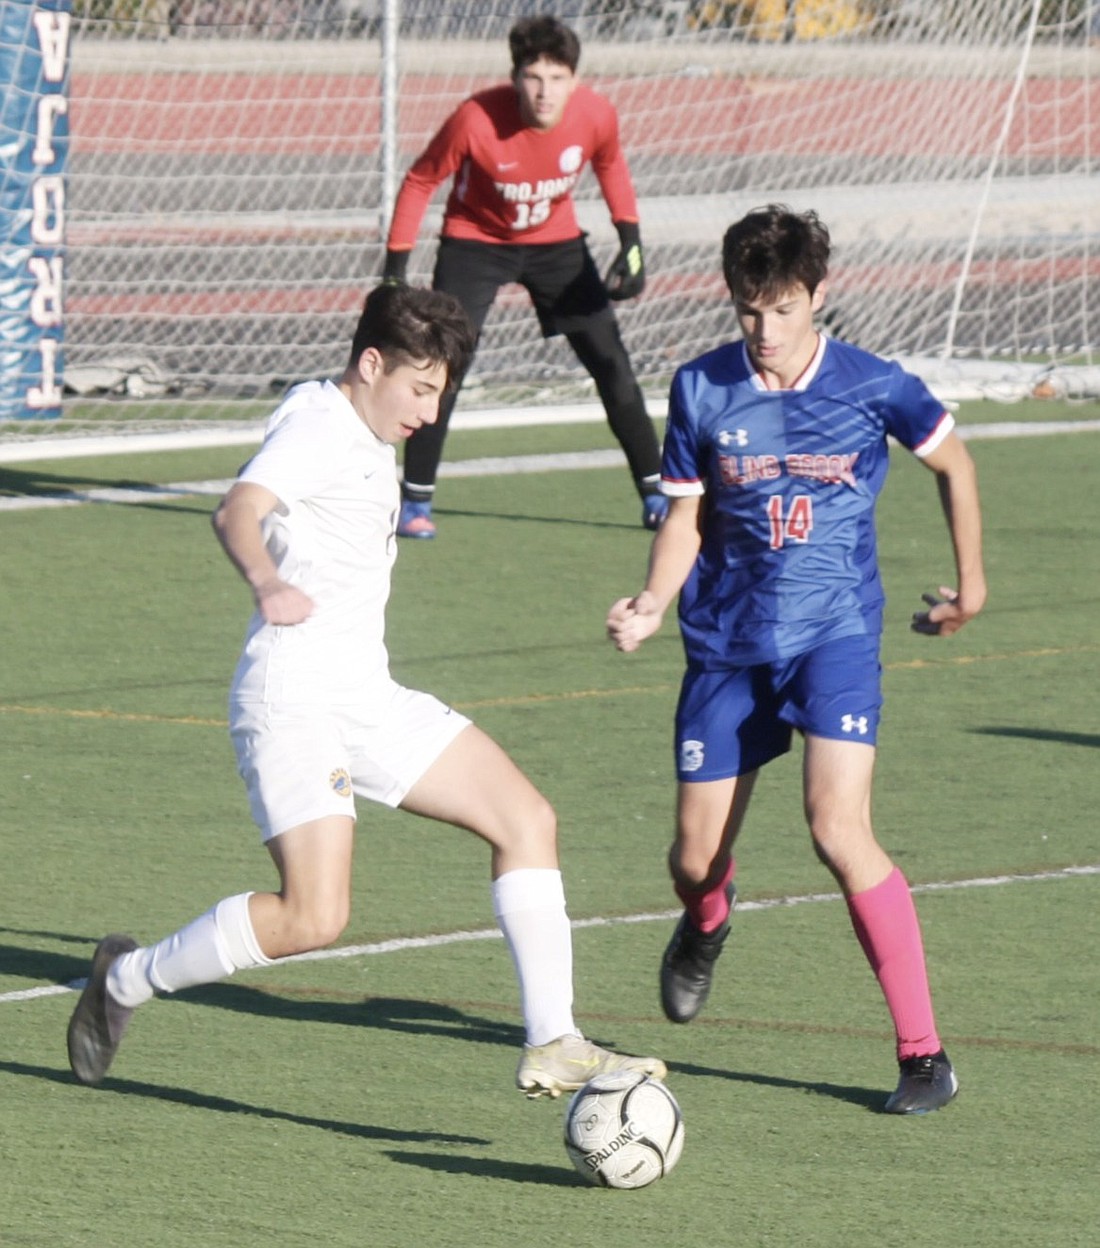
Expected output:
(772, 250)
(407, 324)
(534, 37)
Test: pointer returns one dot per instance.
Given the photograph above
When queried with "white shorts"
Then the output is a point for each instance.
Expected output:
(302, 763)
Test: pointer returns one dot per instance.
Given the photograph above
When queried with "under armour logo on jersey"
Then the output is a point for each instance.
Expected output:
(854, 723)
(739, 436)
(691, 755)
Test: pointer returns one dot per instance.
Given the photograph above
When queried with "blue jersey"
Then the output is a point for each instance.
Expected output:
(790, 478)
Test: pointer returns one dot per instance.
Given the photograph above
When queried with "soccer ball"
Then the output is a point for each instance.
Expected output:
(623, 1129)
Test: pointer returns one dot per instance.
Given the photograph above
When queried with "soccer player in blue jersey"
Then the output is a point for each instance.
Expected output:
(775, 452)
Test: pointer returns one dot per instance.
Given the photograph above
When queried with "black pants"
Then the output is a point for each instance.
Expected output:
(569, 298)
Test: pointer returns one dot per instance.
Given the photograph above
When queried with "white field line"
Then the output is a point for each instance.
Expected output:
(504, 465)
(661, 916)
(42, 450)
(130, 494)
(252, 434)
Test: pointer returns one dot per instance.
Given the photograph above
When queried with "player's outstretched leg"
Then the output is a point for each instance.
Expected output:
(688, 965)
(926, 1083)
(567, 1063)
(98, 1022)
(599, 347)
(423, 451)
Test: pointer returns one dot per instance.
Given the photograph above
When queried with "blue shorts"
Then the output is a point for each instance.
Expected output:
(733, 721)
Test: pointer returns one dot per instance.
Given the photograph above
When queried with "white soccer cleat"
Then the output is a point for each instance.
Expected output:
(567, 1063)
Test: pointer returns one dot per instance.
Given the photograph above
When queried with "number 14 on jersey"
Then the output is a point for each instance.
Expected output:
(796, 525)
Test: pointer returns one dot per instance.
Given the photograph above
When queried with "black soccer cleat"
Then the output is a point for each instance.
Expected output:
(98, 1022)
(688, 965)
(926, 1083)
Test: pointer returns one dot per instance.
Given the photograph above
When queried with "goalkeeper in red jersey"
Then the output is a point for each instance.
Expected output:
(515, 152)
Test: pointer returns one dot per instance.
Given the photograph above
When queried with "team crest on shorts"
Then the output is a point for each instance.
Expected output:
(691, 755)
(340, 782)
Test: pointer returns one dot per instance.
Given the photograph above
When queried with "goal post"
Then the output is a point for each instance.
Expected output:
(231, 164)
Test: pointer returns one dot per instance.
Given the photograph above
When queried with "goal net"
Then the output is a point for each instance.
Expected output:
(227, 184)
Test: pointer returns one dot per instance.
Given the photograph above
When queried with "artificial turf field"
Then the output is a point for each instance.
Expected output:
(368, 1098)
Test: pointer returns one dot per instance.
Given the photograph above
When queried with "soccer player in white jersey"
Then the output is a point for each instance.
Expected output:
(775, 452)
(317, 720)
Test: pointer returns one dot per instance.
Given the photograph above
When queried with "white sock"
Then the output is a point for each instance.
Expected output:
(209, 948)
(529, 905)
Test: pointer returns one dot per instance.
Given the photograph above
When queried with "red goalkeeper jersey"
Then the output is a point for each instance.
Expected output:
(514, 183)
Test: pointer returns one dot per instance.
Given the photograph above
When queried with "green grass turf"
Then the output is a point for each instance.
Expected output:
(369, 1099)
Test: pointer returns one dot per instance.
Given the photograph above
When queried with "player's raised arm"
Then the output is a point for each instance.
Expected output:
(439, 161)
(957, 481)
(672, 556)
(238, 523)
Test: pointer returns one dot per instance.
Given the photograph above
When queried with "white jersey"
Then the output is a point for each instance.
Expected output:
(333, 536)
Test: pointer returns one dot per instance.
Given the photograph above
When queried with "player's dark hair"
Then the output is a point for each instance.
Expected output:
(408, 325)
(772, 250)
(534, 37)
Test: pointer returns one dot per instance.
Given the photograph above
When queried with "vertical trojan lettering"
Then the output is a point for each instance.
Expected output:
(34, 60)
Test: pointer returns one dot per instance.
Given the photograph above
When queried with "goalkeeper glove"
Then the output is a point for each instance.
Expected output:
(393, 271)
(626, 277)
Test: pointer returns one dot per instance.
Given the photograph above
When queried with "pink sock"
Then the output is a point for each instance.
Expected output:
(885, 922)
(709, 908)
